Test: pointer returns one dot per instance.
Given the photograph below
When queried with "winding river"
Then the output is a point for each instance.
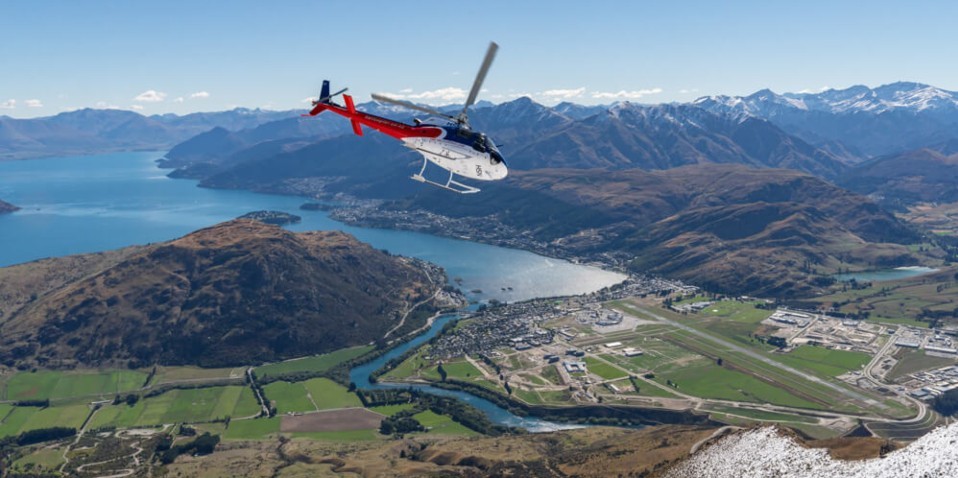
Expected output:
(75, 205)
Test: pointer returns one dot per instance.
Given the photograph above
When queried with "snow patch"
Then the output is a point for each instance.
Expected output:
(764, 453)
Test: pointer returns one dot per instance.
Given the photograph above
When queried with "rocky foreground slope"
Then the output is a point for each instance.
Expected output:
(766, 453)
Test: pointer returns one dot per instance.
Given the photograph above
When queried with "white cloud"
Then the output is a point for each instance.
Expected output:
(686, 91)
(439, 95)
(103, 105)
(34, 103)
(200, 94)
(308, 100)
(626, 95)
(9, 104)
(150, 96)
(562, 93)
(136, 107)
(406, 90)
(178, 99)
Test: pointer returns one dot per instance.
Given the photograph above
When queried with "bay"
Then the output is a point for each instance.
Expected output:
(75, 205)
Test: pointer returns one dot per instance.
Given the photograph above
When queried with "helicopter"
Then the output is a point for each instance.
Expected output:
(446, 141)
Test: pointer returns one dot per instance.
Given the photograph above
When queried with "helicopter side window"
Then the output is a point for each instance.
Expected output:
(479, 144)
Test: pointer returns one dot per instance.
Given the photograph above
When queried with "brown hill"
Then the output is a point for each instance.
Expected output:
(236, 293)
(901, 180)
(767, 232)
(6, 207)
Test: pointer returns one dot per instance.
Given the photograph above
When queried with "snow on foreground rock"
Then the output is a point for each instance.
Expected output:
(763, 453)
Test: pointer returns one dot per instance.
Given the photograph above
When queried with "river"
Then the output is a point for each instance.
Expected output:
(75, 205)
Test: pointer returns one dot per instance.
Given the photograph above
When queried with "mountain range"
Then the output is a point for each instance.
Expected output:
(236, 293)
(858, 121)
(744, 233)
(729, 228)
(89, 131)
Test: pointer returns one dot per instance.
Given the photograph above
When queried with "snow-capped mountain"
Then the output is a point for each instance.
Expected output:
(914, 97)
(859, 121)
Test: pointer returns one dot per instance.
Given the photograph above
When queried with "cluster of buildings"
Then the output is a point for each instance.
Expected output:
(931, 384)
(511, 325)
(930, 341)
(692, 307)
(800, 328)
(519, 325)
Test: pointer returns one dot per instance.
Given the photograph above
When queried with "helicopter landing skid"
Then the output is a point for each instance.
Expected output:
(450, 185)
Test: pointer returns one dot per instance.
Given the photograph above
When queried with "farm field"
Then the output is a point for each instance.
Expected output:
(329, 395)
(318, 363)
(255, 429)
(896, 302)
(441, 424)
(186, 374)
(21, 419)
(180, 406)
(289, 397)
(56, 385)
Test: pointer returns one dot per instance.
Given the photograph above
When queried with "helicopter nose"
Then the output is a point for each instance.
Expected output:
(497, 158)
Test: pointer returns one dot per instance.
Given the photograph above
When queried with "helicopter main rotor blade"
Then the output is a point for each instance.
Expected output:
(480, 77)
(410, 105)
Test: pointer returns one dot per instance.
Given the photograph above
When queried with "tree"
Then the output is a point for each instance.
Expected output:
(718, 361)
(442, 372)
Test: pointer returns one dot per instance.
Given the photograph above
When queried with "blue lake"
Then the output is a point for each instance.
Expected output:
(96, 203)
(885, 275)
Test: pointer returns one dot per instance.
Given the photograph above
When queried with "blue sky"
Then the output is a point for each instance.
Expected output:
(185, 56)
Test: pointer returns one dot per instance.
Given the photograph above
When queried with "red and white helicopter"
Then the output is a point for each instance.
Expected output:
(445, 140)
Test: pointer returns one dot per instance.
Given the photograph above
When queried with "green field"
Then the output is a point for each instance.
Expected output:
(42, 459)
(912, 361)
(603, 369)
(179, 406)
(823, 361)
(289, 397)
(763, 415)
(54, 385)
(178, 374)
(703, 378)
(409, 367)
(318, 363)
(21, 419)
(390, 410)
(330, 395)
(255, 429)
(461, 370)
(441, 424)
